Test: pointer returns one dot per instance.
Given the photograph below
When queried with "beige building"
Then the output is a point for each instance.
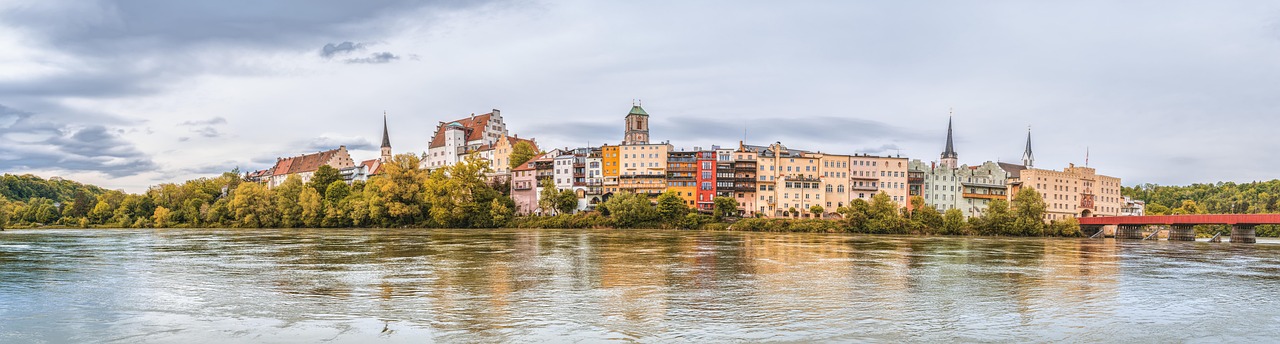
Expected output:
(1073, 192)
(306, 165)
(643, 168)
(502, 152)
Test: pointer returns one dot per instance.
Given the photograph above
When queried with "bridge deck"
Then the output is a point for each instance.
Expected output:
(1206, 219)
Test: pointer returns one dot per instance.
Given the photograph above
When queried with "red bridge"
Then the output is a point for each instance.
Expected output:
(1180, 226)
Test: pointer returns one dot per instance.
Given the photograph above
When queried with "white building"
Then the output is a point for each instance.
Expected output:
(454, 140)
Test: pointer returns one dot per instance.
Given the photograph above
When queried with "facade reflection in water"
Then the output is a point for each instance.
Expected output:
(650, 285)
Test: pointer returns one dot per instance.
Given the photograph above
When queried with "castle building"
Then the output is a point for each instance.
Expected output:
(1074, 191)
(454, 140)
(305, 165)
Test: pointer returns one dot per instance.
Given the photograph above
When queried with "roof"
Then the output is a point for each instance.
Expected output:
(1015, 170)
(516, 140)
(474, 126)
(303, 163)
(372, 166)
(637, 110)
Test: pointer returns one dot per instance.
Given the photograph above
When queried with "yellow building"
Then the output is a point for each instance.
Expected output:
(609, 168)
(834, 173)
(502, 152)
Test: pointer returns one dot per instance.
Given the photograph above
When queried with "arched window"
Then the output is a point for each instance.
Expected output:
(829, 188)
(840, 188)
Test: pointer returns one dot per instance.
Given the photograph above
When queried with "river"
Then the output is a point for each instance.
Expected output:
(377, 285)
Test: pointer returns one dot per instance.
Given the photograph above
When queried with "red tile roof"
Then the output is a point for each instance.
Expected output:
(474, 126)
(303, 163)
(372, 166)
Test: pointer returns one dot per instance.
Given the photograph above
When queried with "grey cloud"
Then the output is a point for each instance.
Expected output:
(211, 121)
(341, 48)
(382, 57)
(34, 141)
(326, 143)
(881, 150)
(207, 132)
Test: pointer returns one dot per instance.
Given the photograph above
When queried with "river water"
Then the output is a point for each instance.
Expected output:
(362, 286)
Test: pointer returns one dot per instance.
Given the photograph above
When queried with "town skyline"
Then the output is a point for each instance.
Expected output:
(114, 94)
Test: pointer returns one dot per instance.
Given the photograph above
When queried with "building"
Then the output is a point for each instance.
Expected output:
(1072, 192)
(643, 168)
(386, 141)
(1133, 207)
(594, 179)
(502, 150)
(524, 185)
(682, 176)
(709, 169)
(609, 168)
(745, 173)
(305, 166)
(454, 140)
(637, 130)
(967, 188)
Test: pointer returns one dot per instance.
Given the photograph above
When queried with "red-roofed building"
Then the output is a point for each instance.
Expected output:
(524, 187)
(306, 165)
(453, 140)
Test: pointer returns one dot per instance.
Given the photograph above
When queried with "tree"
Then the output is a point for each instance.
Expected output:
(520, 153)
(566, 202)
(501, 212)
(336, 192)
(630, 210)
(856, 214)
(883, 216)
(4, 212)
(324, 176)
(287, 203)
(161, 217)
(548, 197)
(929, 218)
(1028, 211)
(953, 222)
(671, 207)
(1157, 209)
(399, 196)
(311, 208)
(252, 207)
(816, 210)
(724, 207)
(996, 220)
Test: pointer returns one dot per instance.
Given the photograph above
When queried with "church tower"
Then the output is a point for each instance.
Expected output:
(386, 140)
(1027, 158)
(949, 157)
(637, 132)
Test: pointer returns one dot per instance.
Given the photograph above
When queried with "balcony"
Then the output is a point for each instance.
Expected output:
(983, 196)
(864, 188)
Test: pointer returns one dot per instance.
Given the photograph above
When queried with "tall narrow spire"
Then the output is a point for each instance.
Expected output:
(949, 156)
(386, 139)
(1027, 158)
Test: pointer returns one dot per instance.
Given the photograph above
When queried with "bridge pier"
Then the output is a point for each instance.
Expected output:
(1182, 233)
(1129, 232)
(1090, 231)
(1243, 234)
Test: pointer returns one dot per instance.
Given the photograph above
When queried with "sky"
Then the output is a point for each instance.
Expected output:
(129, 94)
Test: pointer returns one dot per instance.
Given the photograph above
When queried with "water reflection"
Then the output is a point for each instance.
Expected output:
(508, 285)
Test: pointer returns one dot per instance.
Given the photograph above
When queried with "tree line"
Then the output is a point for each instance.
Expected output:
(461, 196)
(1211, 198)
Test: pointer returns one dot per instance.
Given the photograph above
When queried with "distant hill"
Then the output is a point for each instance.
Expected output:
(26, 187)
(1215, 198)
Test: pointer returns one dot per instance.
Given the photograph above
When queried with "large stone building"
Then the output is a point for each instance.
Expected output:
(454, 140)
(1072, 192)
(304, 166)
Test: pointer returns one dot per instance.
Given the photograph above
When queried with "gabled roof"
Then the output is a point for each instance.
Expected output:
(516, 140)
(474, 126)
(372, 166)
(1015, 170)
(303, 163)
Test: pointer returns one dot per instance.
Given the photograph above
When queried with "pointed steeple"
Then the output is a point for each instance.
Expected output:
(949, 156)
(1027, 158)
(386, 140)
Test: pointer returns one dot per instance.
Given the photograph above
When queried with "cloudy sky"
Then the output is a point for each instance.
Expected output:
(127, 94)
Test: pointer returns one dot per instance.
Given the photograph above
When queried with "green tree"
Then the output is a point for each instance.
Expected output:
(501, 212)
(996, 220)
(520, 153)
(566, 202)
(953, 222)
(1157, 209)
(928, 217)
(630, 210)
(671, 207)
(336, 192)
(724, 207)
(816, 210)
(884, 217)
(548, 197)
(398, 197)
(856, 214)
(1028, 211)
(324, 176)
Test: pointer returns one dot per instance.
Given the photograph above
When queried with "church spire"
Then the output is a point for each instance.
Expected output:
(1027, 158)
(949, 156)
(386, 140)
